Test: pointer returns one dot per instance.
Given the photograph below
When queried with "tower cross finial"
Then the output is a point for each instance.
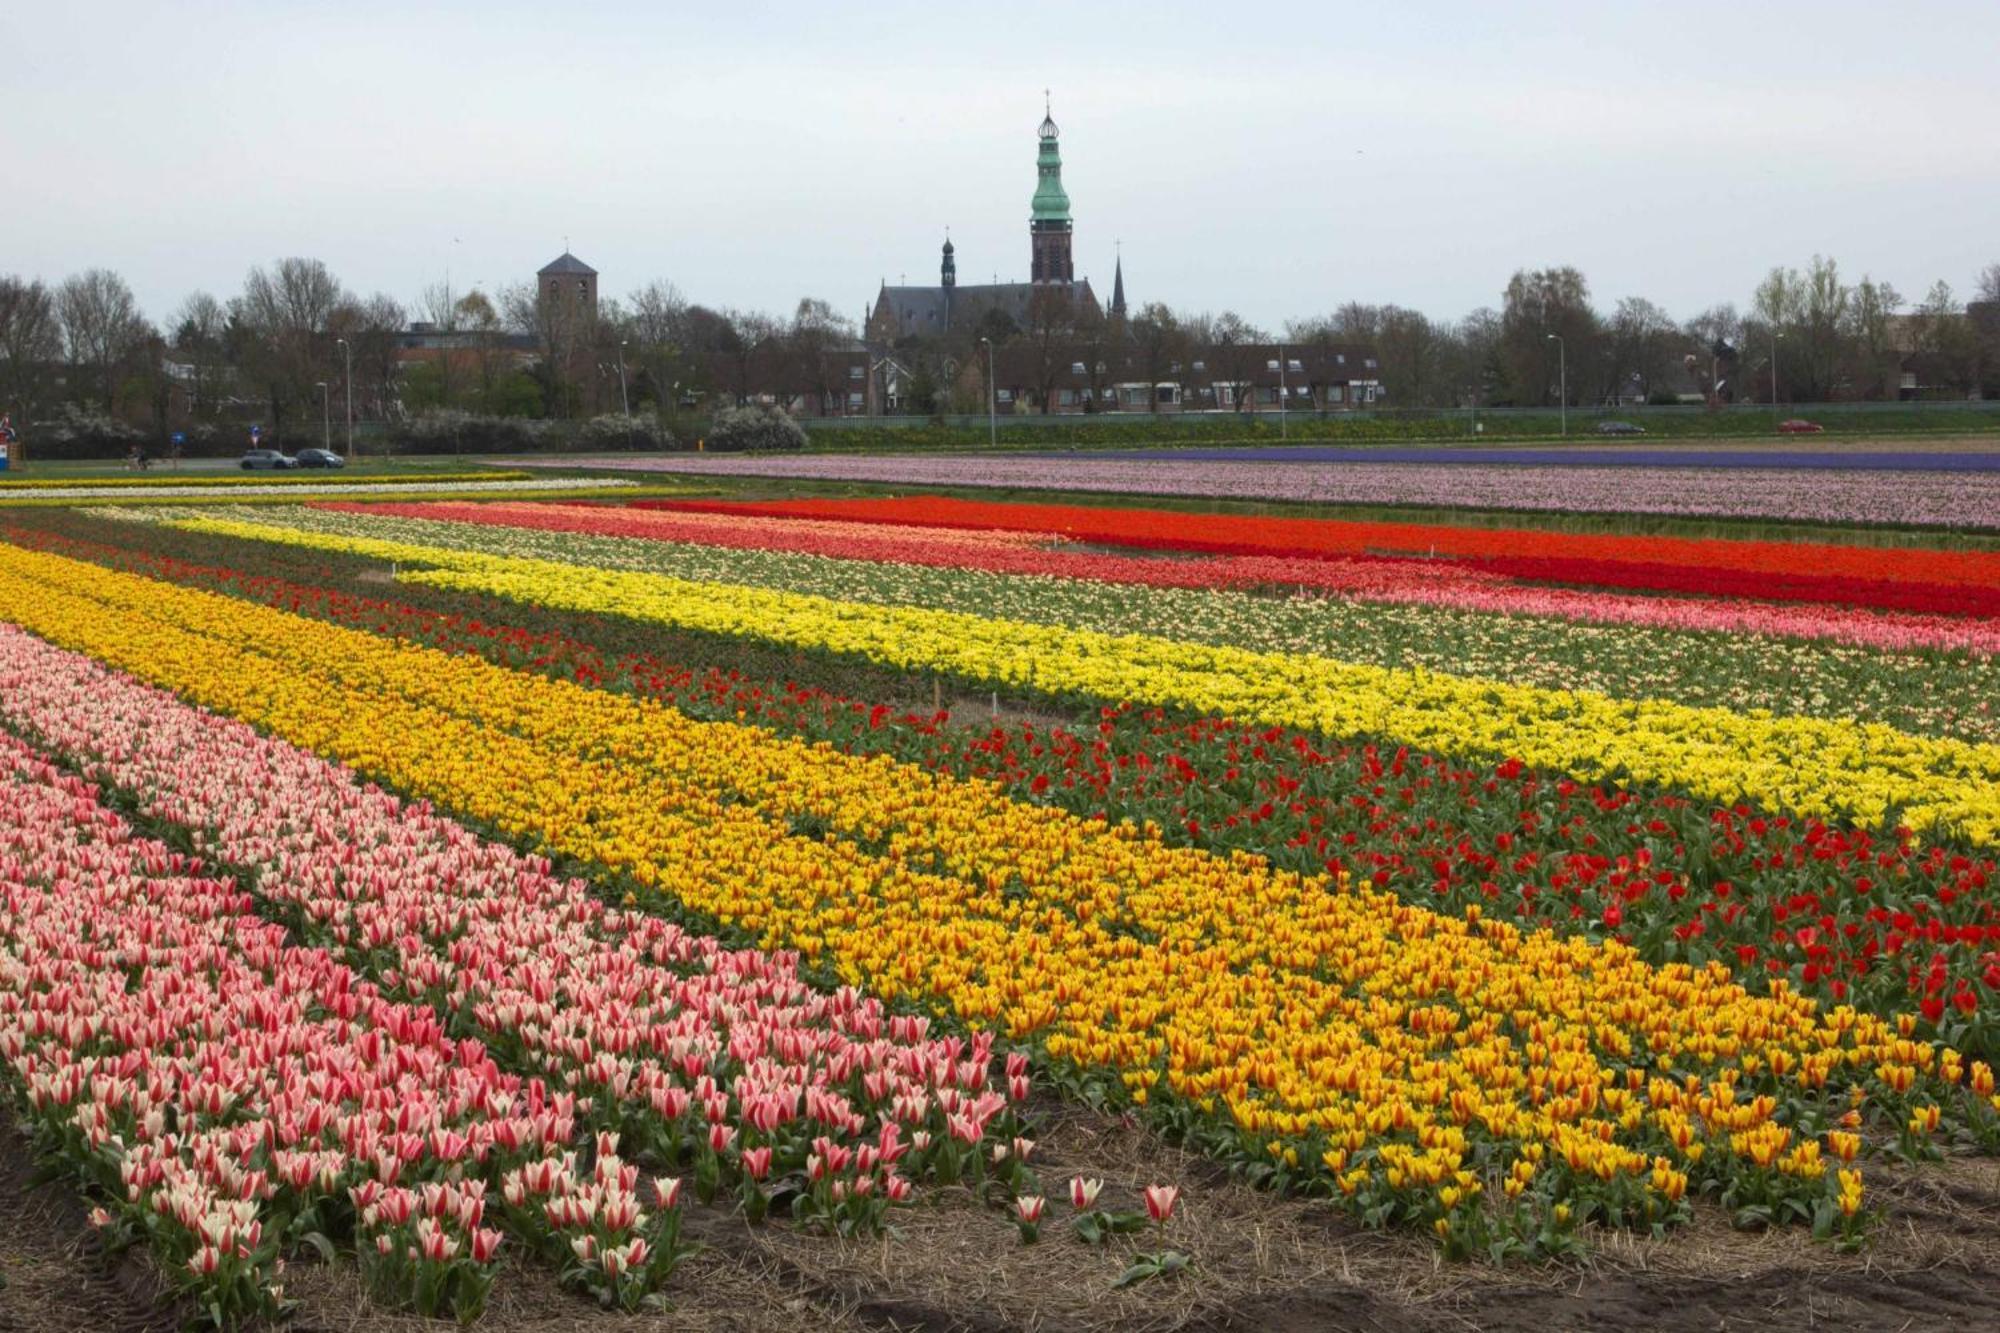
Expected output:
(1045, 102)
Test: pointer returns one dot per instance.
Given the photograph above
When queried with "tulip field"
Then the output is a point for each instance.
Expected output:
(510, 905)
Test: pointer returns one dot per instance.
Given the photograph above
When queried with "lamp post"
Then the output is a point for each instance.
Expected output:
(348, 352)
(992, 391)
(1776, 334)
(325, 417)
(1562, 348)
(1284, 421)
(624, 399)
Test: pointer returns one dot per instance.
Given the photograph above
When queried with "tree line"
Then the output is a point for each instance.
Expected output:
(295, 343)
(293, 347)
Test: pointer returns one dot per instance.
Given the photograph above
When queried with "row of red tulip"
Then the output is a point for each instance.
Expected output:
(1258, 534)
(1723, 601)
(1905, 579)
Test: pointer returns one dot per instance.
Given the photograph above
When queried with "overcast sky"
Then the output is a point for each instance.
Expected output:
(1277, 159)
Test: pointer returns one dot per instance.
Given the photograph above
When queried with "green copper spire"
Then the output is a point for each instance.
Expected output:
(1051, 201)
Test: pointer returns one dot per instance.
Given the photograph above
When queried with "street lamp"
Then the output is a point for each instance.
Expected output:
(348, 352)
(624, 399)
(1284, 431)
(325, 417)
(1563, 349)
(992, 417)
(1776, 334)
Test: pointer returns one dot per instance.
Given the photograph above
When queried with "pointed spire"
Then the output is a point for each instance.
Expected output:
(1118, 283)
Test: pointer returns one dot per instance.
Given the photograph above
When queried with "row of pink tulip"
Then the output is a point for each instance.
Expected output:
(721, 1063)
(1446, 584)
(224, 1088)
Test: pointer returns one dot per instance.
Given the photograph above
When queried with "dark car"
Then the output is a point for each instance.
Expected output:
(1799, 426)
(1619, 428)
(320, 458)
(271, 459)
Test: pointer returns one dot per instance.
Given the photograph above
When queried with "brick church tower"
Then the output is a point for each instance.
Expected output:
(1049, 226)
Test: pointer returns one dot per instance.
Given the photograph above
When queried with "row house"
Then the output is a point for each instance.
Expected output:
(1248, 377)
(834, 381)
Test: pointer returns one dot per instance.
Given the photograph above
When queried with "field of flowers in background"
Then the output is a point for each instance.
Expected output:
(413, 881)
(1965, 495)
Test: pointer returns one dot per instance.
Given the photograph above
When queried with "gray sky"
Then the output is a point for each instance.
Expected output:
(1277, 159)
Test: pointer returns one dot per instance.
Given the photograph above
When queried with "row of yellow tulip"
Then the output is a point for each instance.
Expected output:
(1361, 1038)
(1809, 766)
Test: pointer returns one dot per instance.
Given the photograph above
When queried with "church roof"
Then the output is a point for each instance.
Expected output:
(929, 311)
(565, 265)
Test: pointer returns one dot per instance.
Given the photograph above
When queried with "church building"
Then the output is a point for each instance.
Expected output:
(935, 312)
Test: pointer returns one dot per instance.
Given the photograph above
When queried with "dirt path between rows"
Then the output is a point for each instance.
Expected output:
(1263, 1263)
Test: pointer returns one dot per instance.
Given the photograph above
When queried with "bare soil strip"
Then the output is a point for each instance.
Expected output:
(1262, 1263)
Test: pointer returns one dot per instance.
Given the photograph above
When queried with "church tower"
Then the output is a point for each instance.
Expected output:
(1049, 225)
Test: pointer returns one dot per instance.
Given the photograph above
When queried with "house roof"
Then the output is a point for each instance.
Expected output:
(565, 264)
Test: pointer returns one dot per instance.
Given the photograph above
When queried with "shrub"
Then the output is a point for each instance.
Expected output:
(79, 433)
(755, 429)
(449, 431)
(614, 431)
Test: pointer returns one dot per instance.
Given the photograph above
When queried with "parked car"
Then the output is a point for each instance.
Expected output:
(1799, 426)
(320, 458)
(1619, 428)
(271, 459)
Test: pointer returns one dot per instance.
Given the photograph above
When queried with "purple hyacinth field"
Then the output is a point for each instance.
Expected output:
(1900, 496)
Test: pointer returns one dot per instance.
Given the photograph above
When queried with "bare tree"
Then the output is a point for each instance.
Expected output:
(371, 328)
(102, 329)
(1869, 336)
(1052, 321)
(286, 314)
(30, 344)
(817, 332)
(478, 322)
(1231, 355)
(1540, 306)
(439, 306)
(1414, 354)
(1716, 344)
(1988, 284)
(658, 314)
(1945, 338)
(1643, 349)
(200, 326)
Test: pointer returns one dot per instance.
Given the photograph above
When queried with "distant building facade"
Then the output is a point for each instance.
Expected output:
(902, 313)
(1244, 377)
(567, 278)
